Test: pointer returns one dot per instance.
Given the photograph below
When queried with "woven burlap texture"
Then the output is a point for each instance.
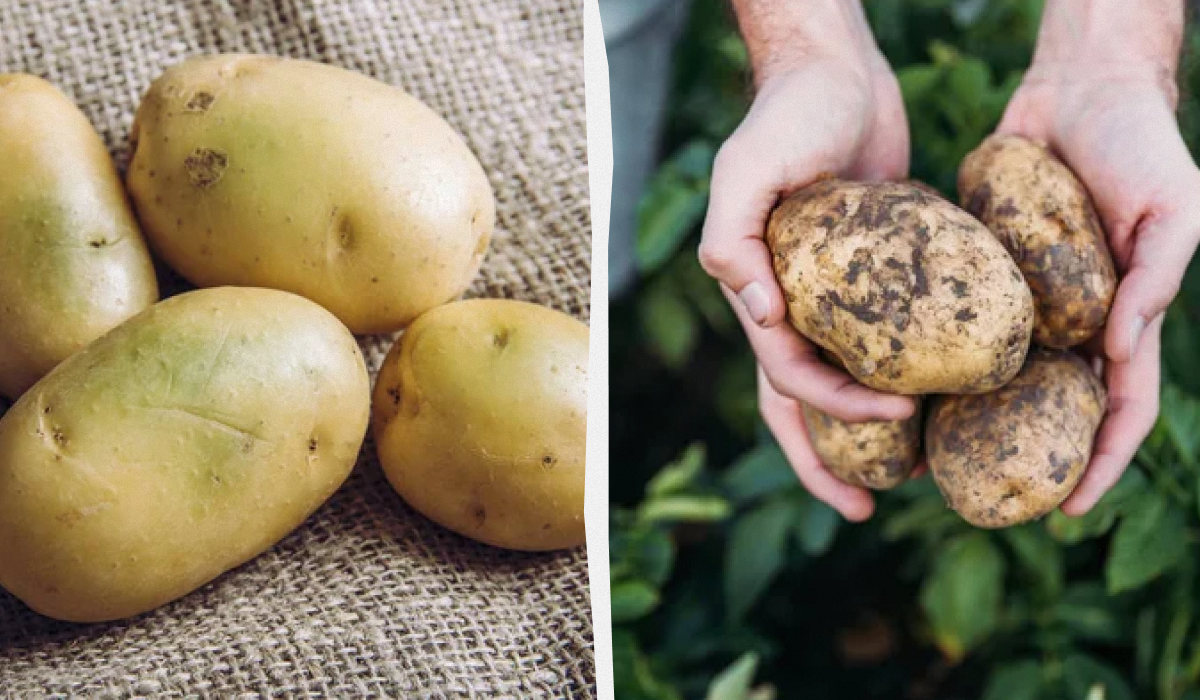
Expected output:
(367, 598)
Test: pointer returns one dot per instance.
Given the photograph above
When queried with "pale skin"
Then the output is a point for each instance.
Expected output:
(1100, 91)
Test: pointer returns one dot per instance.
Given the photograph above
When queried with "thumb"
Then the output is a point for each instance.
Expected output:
(1162, 250)
(732, 248)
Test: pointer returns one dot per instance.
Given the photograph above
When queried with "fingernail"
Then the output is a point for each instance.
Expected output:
(756, 301)
(1135, 333)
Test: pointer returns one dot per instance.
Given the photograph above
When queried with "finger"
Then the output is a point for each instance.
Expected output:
(732, 249)
(786, 422)
(1156, 271)
(794, 369)
(1132, 409)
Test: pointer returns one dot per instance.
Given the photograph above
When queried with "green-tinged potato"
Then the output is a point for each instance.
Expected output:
(910, 293)
(72, 260)
(181, 444)
(270, 172)
(480, 419)
(1015, 454)
(875, 454)
(1044, 216)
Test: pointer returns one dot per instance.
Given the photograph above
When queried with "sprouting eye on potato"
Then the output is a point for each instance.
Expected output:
(910, 293)
(270, 172)
(73, 263)
(178, 446)
(1044, 216)
(480, 419)
(1015, 454)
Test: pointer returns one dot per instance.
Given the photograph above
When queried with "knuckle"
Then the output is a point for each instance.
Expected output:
(713, 258)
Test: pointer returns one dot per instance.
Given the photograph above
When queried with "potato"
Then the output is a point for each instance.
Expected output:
(1015, 454)
(269, 172)
(910, 293)
(480, 418)
(874, 454)
(73, 263)
(1043, 215)
(186, 441)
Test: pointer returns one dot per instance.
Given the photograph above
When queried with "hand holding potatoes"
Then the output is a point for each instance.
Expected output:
(72, 260)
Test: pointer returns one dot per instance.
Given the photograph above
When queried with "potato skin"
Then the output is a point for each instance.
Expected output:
(1015, 454)
(910, 293)
(875, 455)
(183, 443)
(269, 172)
(1044, 216)
(480, 419)
(73, 263)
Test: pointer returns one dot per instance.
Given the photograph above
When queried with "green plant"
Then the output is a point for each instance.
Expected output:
(730, 581)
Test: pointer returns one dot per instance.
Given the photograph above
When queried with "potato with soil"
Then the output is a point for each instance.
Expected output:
(910, 293)
(1044, 216)
(73, 263)
(1015, 454)
(480, 419)
(186, 441)
(875, 454)
(270, 172)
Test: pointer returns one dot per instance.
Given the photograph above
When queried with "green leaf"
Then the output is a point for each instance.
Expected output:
(1021, 680)
(678, 475)
(632, 600)
(1083, 674)
(633, 675)
(1086, 611)
(669, 324)
(737, 393)
(759, 472)
(1181, 416)
(918, 81)
(673, 205)
(923, 517)
(816, 527)
(1072, 530)
(684, 509)
(644, 552)
(963, 595)
(754, 554)
(1038, 556)
(1151, 538)
(734, 682)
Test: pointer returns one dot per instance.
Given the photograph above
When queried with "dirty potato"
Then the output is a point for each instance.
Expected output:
(181, 444)
(909, 292)
(874, 454)
(1044, 216)
(480, 419)
(1015, 454)
(269, 172)
(73, 263)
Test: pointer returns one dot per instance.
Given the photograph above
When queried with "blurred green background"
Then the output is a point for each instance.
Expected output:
(729, 581)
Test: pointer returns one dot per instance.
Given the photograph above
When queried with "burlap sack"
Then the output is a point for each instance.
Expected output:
(367, 598)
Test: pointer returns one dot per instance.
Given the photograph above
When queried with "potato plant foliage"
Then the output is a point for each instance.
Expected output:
(729, 581)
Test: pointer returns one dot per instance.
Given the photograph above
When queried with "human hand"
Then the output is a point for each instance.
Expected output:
(1112, 121)
(830, 105)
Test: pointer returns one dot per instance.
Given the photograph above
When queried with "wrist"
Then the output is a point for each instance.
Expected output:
(1111, 38)
(782, 37)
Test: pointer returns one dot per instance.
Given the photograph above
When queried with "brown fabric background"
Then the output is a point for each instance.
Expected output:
(367, 598)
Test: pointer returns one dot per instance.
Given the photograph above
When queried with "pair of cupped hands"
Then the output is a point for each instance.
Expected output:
(1112, 123)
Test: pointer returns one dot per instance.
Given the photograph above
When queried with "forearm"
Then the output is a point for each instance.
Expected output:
(781, 34)
(1112, 35)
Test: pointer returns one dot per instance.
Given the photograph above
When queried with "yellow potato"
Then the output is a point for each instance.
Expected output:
(183, 443)
(72, 261)
(910, 293)
(1013, 455)
(1044, 216)
(480, 419)
(874, 454)
(269, 172)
